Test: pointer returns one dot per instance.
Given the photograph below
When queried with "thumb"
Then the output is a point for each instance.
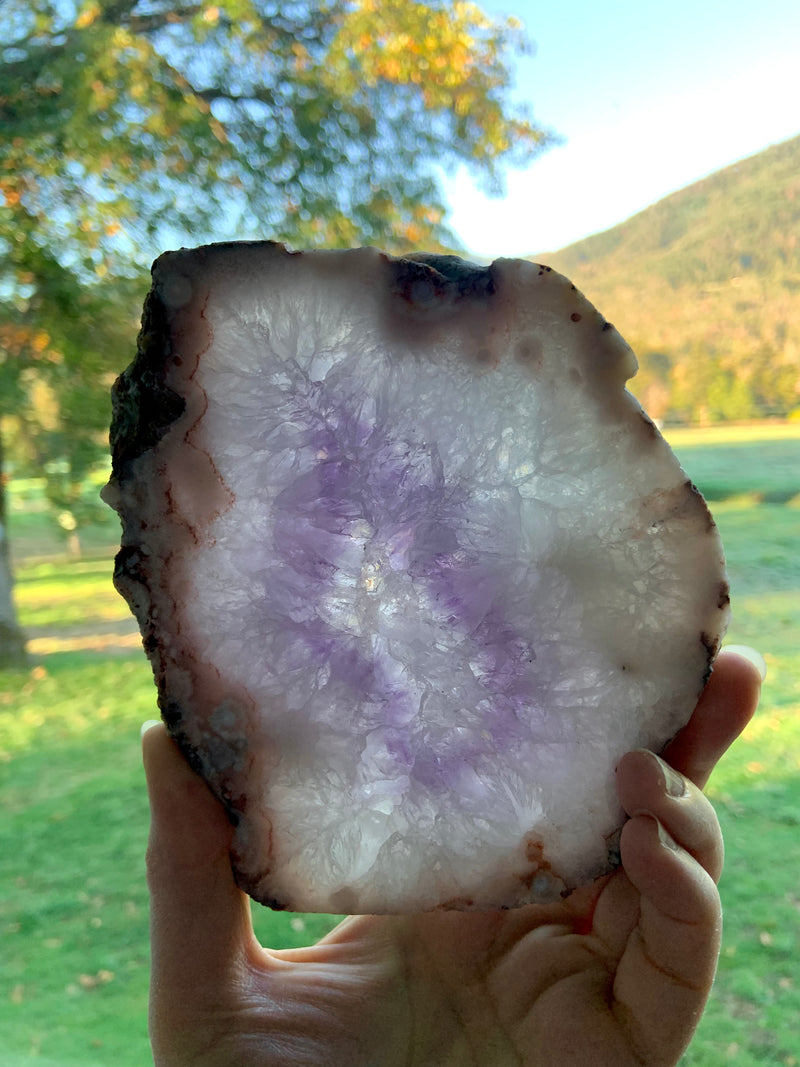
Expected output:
(200, 926)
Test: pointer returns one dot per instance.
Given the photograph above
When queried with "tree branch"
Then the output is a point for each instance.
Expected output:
(215, 92)
(145, 24)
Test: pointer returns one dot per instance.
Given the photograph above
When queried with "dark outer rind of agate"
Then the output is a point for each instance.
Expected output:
(147, 408)
(156, 403)
(144, 407)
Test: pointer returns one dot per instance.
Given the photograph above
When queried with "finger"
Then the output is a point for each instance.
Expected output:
(665, 973)
(647, 783)
(200, 921)
(725, 708)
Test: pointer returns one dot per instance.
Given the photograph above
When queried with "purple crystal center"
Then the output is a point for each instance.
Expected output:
(380, 567)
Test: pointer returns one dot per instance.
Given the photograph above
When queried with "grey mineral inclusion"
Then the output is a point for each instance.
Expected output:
(413, 569)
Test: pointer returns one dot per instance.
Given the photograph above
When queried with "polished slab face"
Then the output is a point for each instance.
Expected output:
(413, 569)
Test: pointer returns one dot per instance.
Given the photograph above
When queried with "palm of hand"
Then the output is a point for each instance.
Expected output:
(617, 974)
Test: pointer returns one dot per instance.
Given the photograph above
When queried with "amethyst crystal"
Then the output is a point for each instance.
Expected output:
(412, 568)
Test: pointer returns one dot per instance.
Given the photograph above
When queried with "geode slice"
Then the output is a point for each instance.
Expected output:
(412, 568)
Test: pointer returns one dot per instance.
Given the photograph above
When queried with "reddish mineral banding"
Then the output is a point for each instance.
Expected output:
(412, 568)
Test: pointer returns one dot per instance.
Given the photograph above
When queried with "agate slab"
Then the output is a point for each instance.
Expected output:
(412, 567)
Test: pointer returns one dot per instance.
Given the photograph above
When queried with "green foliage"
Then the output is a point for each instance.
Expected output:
(704, 285)
(318, 122)
(128, 126)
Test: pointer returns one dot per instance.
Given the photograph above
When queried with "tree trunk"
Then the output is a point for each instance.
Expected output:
(12, 639)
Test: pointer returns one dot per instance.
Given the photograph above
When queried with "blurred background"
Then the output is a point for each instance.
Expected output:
(651, 153)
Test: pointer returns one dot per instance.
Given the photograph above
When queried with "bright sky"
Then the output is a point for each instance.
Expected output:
(649, 96)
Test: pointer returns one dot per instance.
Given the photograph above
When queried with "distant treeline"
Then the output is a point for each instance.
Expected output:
(705, 285)
(701, 386)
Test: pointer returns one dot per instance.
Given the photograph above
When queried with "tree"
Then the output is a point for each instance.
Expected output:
(651, 385)
(127, 126)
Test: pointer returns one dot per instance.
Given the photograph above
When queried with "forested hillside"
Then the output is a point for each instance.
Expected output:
(705, 285)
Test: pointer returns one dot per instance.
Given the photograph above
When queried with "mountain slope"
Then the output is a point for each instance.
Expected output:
(705, 285)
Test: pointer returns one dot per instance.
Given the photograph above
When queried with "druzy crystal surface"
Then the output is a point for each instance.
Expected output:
(412, 567)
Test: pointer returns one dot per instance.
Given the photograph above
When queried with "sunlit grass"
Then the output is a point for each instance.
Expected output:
(68, 593)
(727, 434)
(73, 911)
(748, 473)
(67, 697)
(751, 1018)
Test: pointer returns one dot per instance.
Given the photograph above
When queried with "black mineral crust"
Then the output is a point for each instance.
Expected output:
(143, 406)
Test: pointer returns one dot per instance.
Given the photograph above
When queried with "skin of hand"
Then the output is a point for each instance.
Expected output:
(615, 975)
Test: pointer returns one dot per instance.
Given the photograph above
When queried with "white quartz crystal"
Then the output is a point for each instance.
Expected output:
(413, 568)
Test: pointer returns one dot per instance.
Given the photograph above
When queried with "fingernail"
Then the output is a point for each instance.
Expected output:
(751, 654)
(674, 783)
(148, 724)
(666, 839)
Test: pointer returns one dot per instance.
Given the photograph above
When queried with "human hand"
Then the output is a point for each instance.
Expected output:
(616, 975)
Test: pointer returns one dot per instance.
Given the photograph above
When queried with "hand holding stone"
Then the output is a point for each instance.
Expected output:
(616, 975)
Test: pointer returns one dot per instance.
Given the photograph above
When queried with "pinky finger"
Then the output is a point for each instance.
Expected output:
(667, 969)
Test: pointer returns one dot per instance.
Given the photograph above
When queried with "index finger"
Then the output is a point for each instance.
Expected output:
(199, 919)
(725, 708)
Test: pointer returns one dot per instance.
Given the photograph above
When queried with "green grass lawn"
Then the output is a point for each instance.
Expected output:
(753, 483)
(73, 905)
(763, 471)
